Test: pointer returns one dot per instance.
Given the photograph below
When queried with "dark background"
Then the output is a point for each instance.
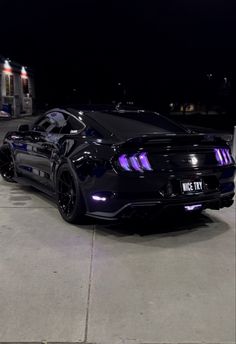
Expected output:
(160, 51)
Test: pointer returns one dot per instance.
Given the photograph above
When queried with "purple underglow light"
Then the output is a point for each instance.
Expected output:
(144, 161)
(192, 207)
(124, 163)
(98, 198)
(135, 164)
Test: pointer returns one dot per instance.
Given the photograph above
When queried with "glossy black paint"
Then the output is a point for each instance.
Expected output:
(92, 151)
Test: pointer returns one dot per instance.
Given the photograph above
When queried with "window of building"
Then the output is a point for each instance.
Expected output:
(25, 85)
(9, 85)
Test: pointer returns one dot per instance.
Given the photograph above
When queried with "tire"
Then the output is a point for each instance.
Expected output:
(7, 169)
(70, 201)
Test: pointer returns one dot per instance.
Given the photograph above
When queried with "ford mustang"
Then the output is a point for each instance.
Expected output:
(119, 163)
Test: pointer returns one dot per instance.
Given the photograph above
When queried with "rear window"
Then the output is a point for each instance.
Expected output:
(132, 124)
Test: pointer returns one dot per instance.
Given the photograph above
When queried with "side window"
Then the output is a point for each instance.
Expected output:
(72, 126)
(43, 123)
(52, 122)
(92, 132)
(58, 121)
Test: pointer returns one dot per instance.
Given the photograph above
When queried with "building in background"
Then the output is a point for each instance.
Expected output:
(16, 88)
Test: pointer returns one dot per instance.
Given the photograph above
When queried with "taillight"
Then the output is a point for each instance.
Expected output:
(223, 156)
(137, 162)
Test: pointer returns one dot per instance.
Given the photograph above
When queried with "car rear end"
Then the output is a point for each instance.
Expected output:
(152, 173)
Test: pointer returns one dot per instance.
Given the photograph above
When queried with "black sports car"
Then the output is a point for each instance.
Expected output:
(116, 163)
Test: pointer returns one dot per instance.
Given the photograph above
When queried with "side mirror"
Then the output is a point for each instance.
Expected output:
(23, 127)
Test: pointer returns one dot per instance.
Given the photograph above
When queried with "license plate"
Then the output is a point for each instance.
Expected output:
(192, 186)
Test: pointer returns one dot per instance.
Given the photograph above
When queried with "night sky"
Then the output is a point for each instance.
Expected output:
(159, 50)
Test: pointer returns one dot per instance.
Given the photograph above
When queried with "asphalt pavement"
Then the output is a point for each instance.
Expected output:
(170, 282)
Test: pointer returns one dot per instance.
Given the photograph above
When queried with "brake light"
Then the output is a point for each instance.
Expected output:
(223, 156)
(137, 162)
(145, 162)
(124, 163)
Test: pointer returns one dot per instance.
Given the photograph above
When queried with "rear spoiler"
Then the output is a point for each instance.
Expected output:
(213, 138)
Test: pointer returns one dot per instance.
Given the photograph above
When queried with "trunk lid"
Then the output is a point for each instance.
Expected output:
(171, 152)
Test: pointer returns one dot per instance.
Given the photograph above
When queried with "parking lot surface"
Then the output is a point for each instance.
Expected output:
(169, 282)
(164, 283)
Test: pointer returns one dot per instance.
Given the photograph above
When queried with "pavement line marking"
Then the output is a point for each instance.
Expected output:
(89, 287)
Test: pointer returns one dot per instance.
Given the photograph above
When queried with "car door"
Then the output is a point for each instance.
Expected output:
(41, 146)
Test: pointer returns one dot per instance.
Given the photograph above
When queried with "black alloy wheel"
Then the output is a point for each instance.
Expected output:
(69, 198)
(7, 168)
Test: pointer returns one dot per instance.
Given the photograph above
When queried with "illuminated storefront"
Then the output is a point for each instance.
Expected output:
(16, 88)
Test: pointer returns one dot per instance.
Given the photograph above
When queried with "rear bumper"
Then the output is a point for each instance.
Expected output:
(153, 208)
(127, 196)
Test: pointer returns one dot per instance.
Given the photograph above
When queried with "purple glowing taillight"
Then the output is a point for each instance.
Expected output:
(144, 161)
(137, 162)
(223, 156)
(229, 156)
(124, 163)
